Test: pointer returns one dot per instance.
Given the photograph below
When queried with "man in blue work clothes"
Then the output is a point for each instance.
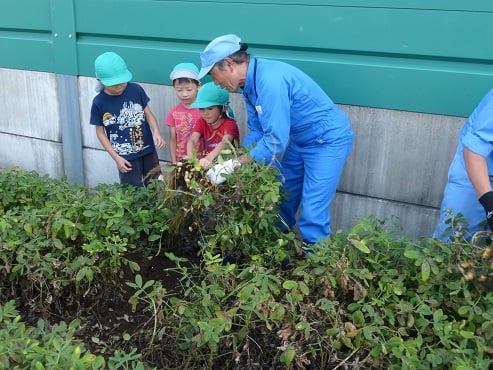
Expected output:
(468, 190)
(289, 115)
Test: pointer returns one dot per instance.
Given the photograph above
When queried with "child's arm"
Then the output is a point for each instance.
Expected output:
(206, 162)
(172, 143)
(193, 143)
(156, 133)
(123, 165)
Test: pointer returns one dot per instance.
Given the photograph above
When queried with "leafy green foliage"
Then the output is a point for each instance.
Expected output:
(51, 347)
(57, 236)
(236, 218)
(365, 294)
(365, 298)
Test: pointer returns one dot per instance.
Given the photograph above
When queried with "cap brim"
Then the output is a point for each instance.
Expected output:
(123, 78)
(204, 71)
(183, 73)
(204, 104)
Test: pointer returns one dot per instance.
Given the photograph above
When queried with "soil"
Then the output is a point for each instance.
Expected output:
(113, 318)
(108, 322)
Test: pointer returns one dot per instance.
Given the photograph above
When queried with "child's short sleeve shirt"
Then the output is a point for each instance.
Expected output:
(124, 121)
(183, 119)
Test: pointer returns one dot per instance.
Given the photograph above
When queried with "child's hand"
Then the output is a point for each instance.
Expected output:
(123, 165)
(205, 163)
(159, 141)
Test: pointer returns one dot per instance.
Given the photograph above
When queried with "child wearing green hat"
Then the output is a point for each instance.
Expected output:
(125, 125)
(181, 118)
(215, 130)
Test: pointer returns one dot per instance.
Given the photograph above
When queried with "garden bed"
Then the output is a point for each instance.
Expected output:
(118, 277)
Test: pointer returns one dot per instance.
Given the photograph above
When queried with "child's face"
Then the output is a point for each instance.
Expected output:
(211, 115)
(115, 90)
(186, 92)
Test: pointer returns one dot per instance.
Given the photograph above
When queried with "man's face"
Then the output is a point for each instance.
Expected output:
(231, 77)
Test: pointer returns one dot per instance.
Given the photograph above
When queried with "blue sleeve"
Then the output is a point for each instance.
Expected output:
(477, 134)
(142, 95)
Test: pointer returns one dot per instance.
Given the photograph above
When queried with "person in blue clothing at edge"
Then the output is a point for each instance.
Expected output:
(468, 190)
(290, 115)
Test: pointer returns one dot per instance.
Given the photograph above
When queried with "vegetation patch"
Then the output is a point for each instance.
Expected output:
(182, 275)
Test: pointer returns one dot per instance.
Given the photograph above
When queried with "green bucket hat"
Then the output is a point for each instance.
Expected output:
(210, 95)
(111, 69)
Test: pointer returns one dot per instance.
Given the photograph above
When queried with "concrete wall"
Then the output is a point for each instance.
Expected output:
(398, 166)
(30, 131)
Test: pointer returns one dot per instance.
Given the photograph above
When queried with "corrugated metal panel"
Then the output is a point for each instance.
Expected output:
(25, 35)
(407, 55)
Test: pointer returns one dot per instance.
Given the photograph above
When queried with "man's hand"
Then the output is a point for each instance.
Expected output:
(486, 201)
(216, 173)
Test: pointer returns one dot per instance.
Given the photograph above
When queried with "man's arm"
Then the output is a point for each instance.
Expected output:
(477, 170)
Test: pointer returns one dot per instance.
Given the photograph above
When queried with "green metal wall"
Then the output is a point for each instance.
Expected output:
(422, 55)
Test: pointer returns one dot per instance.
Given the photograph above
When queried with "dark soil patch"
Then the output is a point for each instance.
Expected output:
(113, 324)
(108, 321)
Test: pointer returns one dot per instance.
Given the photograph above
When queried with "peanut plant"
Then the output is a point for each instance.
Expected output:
(367, 298)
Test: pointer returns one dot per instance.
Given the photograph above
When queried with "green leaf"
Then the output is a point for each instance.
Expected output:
(464, 311)
(359, 318)
(89, 213)
(138, 280)
(56, 344)
(289, 284)
(331, 332)
(466, 334)
(154, 237)
(304, 288)
(287, 356)
(353, 306)
(360, 245)
(425, 270)
(84, 272)
(148, 284)
(413, 254)
(134, 266)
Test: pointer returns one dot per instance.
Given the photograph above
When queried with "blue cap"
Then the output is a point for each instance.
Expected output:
(218, 49)
(111, 69)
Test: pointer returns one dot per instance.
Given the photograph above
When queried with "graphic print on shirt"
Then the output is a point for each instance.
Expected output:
(128, 124)
(183, 125)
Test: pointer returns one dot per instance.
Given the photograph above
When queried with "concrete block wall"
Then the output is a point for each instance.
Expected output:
(30, 132)
(398, 166)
